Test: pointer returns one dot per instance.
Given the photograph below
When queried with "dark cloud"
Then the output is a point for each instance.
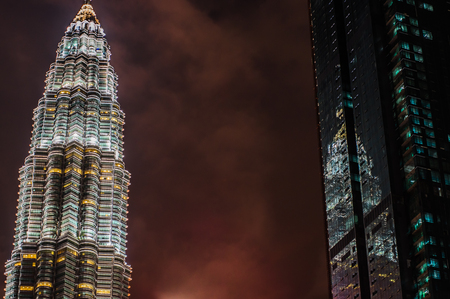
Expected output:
(219, 10)
(221, 140)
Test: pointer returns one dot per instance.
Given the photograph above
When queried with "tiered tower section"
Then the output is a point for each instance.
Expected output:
(70, 236)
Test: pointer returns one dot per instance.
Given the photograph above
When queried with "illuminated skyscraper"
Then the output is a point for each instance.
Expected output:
(383, 92)
(70, 235)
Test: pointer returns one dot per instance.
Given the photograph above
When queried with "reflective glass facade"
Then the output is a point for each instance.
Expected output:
(70, 236)
(383, 91)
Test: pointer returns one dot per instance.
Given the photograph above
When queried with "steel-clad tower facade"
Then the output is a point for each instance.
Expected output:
(70, 235)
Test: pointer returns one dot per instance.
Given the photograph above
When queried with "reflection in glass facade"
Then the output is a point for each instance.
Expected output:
(382, 74)
(71, 228)
(337, 185)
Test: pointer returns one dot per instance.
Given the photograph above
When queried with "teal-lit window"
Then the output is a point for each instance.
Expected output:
(430, 133)
(413, 100)
(400, 89)
(418, 57)
(410, 2)
(415, 31)
(432, 240)
(422, 293)
(410, 181)
(435, 177)
(414, 110)
(354, 158)
(435, 274)
(433, 263)
(428, 123)
(407, 63)
(418, 224)
(427, 6)
(432, 153)
(413, 21)
(419, 247)
(429, 218)
(404, 45)
(400, 17)
(401, 27)
(423, 281)
(447, 179)
(431, 142)
(418, 140)
(416, 130)
(399, 100)
(415, 120)
(417, 49)
(426, 104)
(406, 54)
(427, 34)
(423, 269)
(420, 150)
(402, 108)
(396, 71)
(348, 103)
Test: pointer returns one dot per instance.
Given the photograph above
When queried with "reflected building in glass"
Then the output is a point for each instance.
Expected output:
(71, 228)
(382, 74)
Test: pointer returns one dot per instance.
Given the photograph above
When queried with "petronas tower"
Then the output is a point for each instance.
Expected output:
(71, 228)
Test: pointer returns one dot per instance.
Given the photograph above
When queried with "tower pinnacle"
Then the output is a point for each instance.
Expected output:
(87, 13)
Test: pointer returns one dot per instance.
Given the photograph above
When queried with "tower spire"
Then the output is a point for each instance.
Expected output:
(87, 13)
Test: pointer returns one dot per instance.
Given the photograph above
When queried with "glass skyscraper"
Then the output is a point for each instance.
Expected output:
(70, 235)
(382, 71)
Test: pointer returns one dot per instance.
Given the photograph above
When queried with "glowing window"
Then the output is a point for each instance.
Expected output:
(429, 218)
(435, 274)
(427, 6)
(29, 256)
(447, 179)
(428, 123)
(413, 21)
(431, 142)
(44, 284)
(435, 177)
(427, 34)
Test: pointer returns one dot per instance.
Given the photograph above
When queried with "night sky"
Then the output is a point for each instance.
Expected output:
(220, 139)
